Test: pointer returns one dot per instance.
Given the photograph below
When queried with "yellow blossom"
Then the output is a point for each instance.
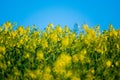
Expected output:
(47, 69)
(75, 58)
(117, 63)
(32, 75)
(108, 63)
(73, 35)
(92, 71)
(0, 29)
(44, 44)
(90, 77)
(21, 41)
(75, 78)
(58, 29)
(81, 57)
(54, 37)
(62, 61)
(7, 25)
(27, 55)
(117, 45)
(36, 34)
(13, 34)
(40, 55)
(85, 27)
(38, 72)
(68, 74)
(2, 49)
(47, 76)
(20, 30)
(83, 51)
(3, 66)
(26, 38)
(115, 33)
(50, 25)
(65, 41)
(8, 62)
(34, 44)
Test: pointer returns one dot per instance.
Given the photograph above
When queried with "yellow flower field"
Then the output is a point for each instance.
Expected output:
(58, 53)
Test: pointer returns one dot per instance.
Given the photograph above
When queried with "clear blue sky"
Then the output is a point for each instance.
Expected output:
(63, 12)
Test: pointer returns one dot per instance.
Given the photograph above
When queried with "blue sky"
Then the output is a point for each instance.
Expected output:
(63, 12)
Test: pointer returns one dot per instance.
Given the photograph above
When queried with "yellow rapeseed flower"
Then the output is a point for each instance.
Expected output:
(47, 69)
(1, 29)
(75, 78)
(85, 27)
(44, 44)
(115, 33)
(40, 55)
(38, 72)
(3, 66)
(2, 49)
(50, 25)
(7, 25)
(8, 62)
(92, 71)
(65, 41)
(68, 74)
(75, 58)
(117, 63)
(73, 35)
(65, 57)
(36, 34)
(90, 76)
(58, 29)
(26, 38)
(81, 57)
(47, 76)
(13, 34)
(27, 55)
(62, 61)
(83, 51)
(20, 30)
(108, 63)
(34, 44)
(32, 75)
(117, 45)
(54, 37)
(21, 41)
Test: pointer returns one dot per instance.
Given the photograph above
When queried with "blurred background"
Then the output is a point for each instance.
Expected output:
(61, 12)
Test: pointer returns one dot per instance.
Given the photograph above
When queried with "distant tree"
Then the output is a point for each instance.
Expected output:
(76, 28)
